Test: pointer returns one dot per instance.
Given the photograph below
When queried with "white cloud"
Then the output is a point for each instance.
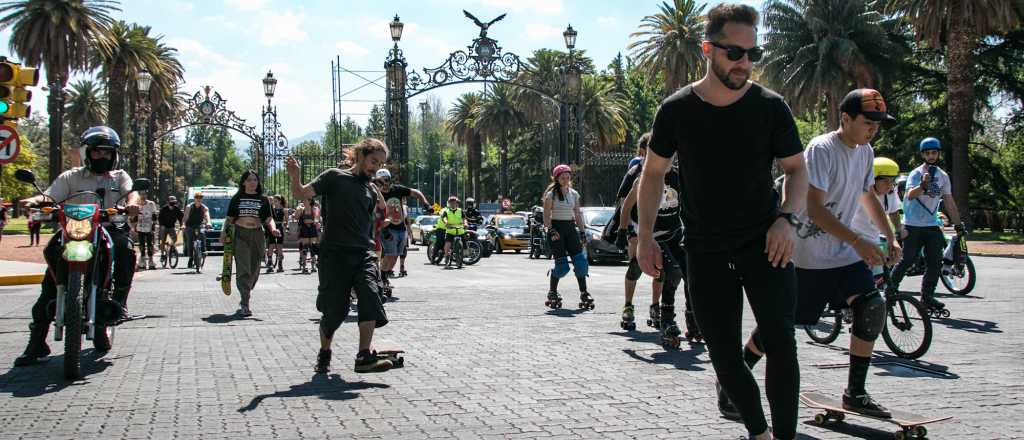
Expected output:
(350, 49)
(245, 5)
(543, 7)
(539, 32)
(276, 29)
(607, 21)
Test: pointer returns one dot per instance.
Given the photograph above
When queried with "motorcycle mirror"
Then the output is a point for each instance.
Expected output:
(141, 184)
(25, 176)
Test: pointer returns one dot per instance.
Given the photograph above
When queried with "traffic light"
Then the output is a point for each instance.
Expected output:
(14, 97)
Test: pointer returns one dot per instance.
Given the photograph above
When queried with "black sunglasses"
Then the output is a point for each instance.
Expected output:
(734, 53)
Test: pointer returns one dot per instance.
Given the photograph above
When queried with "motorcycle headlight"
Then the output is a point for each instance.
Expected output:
(78, 229)
(596, 236)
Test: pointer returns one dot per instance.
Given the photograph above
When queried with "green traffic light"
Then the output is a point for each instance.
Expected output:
(4, 107)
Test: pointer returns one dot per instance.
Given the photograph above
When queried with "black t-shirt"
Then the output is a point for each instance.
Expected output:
(169, 215)
(349, 200)
(725, 159)
(396, 192)
(399, 193)
(667, 226)
(249, 205)
(278, 214)
(196, 215)
(627, 181)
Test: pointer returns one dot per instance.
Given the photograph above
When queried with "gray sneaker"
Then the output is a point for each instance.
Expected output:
(367, 361)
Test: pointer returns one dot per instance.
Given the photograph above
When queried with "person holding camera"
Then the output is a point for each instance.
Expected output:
(927, 187)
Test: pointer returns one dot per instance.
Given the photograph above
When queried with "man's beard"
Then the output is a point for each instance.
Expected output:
(723, 76)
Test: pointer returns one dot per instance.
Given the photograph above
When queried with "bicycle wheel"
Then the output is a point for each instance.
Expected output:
(960, 281)
(172, 257)
(198, 256)
(472, 253)
(457, 254)
(827, 329)
(908, 328)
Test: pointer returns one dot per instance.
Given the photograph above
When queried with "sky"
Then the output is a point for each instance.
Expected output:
(231, 44)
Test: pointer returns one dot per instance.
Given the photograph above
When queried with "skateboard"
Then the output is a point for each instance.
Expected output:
(229, 252)
(911, 425)
(394, 355)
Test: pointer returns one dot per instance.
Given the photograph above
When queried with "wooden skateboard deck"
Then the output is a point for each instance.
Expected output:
(911, 425)
(394, 355)
(229, 252)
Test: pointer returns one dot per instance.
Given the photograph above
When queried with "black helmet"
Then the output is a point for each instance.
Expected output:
(102, 137)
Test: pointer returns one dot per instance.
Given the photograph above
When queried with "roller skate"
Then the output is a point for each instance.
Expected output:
(670, 333)
(314, 264)
(280, 264)
(586, 301)
(693, 333)
(935, 307)
(628, 318)
(655, 320)
(554, 300)
(302, 265)
(402, 273)
(386, 291)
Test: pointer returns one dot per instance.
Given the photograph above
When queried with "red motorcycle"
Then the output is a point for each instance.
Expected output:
(88, 251)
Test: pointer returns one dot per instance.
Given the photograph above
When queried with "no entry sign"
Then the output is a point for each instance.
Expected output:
(10, 144)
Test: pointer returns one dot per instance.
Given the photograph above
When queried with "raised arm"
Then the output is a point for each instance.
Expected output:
(299, 191)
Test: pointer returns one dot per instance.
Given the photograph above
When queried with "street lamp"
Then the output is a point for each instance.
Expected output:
(270, 125)
(570, 37)
(143, 80)
(269, 85)
(396, 26)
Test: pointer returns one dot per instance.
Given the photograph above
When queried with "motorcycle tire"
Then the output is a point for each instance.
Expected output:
(474, 250)
(73, 325)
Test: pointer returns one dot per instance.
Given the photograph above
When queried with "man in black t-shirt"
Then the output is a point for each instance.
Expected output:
(347, 260)
(727, 131)
(394, 234)
(170, 215)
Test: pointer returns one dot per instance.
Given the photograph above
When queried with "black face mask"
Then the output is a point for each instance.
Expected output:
(100, 166)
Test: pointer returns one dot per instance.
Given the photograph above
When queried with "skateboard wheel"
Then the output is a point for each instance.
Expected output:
(945, 313)
(920, 431)
(820, 419)
(900, 435)
(839, 417)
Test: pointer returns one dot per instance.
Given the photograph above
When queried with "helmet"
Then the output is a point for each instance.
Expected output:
(559, 169)
(172, 199)
(885, 167)
(470, 201)
(453, 199)
(383, 174)
(634, 162)
(929, 143)
(99, 137)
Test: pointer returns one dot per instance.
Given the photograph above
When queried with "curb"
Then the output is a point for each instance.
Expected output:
(21, 279)
(1017, 256)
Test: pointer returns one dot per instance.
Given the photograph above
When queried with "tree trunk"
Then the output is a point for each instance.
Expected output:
(832, 104)
(960, 99)
(503, 168)
(152, 154)
(55, 107)
(475, 163)
(130, 139)
(116, 91)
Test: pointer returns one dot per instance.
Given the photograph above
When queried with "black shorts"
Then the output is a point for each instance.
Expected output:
(341, 271)
(450, 238)
(817, 288)
(271, 239)
(308, 231)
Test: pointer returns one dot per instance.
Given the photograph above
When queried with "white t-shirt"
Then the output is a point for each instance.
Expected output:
(146, 213)
(845, 174)
(563, 209)
(115, 184)
(862, 223)
(921, 211)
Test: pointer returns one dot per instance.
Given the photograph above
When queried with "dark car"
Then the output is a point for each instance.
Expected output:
(598, 250)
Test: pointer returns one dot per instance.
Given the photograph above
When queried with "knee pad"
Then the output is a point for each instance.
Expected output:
(580, 265)
(868, 316)
(633, 272)
(561, 267)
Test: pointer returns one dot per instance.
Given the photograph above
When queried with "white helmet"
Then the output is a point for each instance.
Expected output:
(383, 174)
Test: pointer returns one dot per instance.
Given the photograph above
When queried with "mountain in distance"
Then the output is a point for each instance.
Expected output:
(242, 143)
(311, 136)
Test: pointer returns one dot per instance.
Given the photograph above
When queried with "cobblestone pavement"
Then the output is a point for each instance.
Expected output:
(485, 359)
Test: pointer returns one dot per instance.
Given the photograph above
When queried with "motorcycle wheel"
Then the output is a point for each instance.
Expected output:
(473, 253)
(73, 326)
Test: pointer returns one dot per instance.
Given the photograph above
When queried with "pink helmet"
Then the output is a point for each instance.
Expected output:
(559, 169)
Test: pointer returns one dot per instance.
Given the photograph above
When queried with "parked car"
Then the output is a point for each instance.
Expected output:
(510, 232)
(421, 228)
(598, 250)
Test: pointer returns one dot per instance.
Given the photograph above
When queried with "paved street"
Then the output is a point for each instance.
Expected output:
(485, 359)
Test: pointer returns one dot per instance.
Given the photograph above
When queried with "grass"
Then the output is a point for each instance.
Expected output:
(988, 235)
(19, 226)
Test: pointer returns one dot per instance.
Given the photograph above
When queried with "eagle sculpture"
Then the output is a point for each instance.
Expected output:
(483, 26)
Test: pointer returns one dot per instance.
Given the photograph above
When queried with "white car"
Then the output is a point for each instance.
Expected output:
(420, 227)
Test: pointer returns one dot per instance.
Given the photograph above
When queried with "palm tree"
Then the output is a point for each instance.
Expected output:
(58, 35)
(498, 120)
(168, 74)
(818, 48)
(132, 51)
(670, 44)
(461, 124)
(87, 105)
(961, 24)
(602, 112)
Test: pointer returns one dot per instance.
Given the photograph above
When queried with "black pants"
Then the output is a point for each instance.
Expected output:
(341, 272)
(124, 271)
(146, 244)
(673, 260)
(568, 243)
(717, 281)
(931, 239)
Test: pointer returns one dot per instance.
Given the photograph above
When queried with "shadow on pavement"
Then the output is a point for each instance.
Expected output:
(969, 325)
(48, 376)
(685, 358)
(565, 313)
(220, 318)
(900, 367)
(327, 387)
(851, 430)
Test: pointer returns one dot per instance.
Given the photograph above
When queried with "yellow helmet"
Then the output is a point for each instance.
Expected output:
(885, 167)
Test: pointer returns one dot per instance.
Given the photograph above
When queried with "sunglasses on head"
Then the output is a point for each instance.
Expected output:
(734, 53)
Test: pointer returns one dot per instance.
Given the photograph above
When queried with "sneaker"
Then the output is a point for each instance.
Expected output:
(725, 405)
(367, 361)
(323, 362)
(403, 273)
(932, 303)
(244, 311)
(864, 404)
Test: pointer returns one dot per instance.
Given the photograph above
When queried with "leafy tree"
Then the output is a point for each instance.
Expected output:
(86, 105)
(375, 126)
(669, 44)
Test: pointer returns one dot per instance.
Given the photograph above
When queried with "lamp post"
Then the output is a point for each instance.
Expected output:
(142, 82)
(270, 126)
(572, 72)
(396, 107)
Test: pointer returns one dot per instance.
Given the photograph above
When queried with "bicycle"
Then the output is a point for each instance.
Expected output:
(198, 248)
(169, 255)
(456, 250)
(908, 325)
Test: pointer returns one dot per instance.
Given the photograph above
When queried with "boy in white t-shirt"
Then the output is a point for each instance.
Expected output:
(145, 229)
(886, 171)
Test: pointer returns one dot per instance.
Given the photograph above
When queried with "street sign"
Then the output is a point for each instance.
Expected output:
(506, 203)
(437, 208)
(10, 144)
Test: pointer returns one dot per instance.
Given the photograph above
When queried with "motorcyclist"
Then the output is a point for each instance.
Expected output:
(473, 216)
(101, 175)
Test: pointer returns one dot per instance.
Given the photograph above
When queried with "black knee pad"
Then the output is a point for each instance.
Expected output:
(868, 316)
(633, 272)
